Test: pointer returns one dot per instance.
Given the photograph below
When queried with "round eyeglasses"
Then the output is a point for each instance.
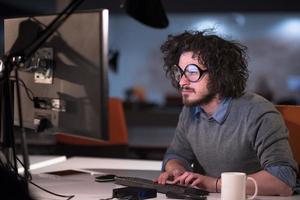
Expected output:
(192, 72)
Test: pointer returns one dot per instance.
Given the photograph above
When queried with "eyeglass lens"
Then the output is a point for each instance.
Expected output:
(191, 72)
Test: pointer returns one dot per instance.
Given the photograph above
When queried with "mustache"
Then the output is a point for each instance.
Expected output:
(186, 88)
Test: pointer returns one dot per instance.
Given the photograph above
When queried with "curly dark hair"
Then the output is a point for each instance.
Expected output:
(225, 60)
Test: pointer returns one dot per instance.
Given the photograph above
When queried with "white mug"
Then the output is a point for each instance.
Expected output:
(234, 186)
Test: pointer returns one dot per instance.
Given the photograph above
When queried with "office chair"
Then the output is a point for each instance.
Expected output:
(116, 146)
(291, 116)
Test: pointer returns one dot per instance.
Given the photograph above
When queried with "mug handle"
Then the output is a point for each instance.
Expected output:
(256, 189)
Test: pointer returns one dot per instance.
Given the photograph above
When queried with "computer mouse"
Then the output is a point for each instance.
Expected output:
(105, 178)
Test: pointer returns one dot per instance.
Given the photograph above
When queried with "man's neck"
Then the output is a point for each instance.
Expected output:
(212, 106)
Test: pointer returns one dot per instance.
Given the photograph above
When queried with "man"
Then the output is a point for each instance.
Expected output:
(221, 127)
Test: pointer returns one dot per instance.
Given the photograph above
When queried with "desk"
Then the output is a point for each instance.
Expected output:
(80, 163)
(37, 161)
(84, 187)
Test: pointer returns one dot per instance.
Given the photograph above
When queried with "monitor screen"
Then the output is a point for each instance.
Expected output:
(64, 86)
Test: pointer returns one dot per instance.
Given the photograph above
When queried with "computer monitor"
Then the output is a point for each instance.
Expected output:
(65, 83)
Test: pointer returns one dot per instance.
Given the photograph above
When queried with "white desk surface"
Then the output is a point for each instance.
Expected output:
(83, 185)
(37, 162)
(80, 163)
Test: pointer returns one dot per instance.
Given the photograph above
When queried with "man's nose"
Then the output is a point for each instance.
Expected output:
(183, 80)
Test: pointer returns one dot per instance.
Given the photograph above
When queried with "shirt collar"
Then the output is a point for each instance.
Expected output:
(220, 114)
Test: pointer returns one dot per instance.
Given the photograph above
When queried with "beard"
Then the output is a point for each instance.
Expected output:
(200, 101)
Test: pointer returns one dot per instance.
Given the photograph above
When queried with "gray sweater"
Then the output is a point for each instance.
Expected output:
(252, 136)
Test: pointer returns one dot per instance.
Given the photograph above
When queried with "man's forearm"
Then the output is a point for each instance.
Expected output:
(174, 165)
(172, 169)
(269, 185)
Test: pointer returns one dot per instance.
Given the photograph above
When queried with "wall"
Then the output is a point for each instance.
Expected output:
(273, 50)
(273, 40)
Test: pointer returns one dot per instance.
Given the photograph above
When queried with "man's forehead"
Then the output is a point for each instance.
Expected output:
(194, 55)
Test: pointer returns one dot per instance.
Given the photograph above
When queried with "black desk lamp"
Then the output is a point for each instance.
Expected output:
(15, 61)
(149, 12)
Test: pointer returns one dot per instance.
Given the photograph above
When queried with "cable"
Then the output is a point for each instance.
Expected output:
(59, 195)
(29, 92)
(8, 165)
(30, 181)
(129, 197)
(30, 176)
(107, 198)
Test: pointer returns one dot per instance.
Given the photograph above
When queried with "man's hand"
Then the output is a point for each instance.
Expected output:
(196, 180)
(189, 178)
(167, 177)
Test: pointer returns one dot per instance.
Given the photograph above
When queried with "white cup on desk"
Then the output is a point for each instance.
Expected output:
(234, 186)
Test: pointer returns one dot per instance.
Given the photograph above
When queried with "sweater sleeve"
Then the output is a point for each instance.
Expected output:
(180, 148)
(270, 138)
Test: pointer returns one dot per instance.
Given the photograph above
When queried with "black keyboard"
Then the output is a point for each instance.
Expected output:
(165, 189)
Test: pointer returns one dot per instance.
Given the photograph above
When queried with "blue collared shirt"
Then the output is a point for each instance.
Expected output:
(220, 114)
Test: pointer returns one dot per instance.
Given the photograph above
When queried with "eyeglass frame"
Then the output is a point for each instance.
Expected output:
(182, 72)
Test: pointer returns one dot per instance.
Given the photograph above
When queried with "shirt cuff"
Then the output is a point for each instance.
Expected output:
(284, 173)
